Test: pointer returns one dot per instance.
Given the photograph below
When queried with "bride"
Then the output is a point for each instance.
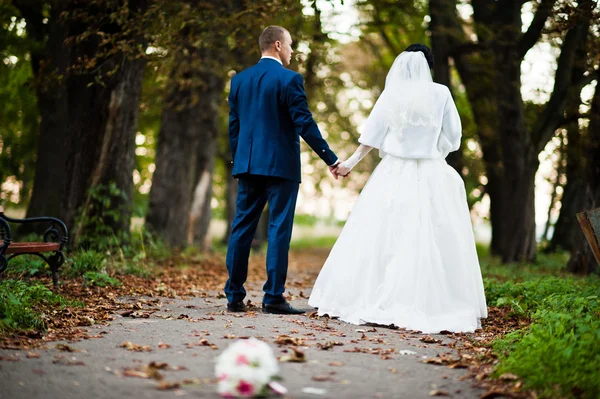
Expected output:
(406, 255)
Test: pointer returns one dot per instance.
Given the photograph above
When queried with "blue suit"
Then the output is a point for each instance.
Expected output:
(268, 115)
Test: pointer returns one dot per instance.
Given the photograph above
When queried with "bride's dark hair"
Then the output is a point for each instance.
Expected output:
(424, 49)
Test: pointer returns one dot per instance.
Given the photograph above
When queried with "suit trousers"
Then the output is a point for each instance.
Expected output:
(253, 193)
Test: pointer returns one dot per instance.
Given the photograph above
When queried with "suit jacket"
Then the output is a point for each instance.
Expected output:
(268, 113)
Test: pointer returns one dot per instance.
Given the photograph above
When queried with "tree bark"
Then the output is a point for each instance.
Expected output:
(200, 214)
(175, 176)
(442, 28)
(572, 200)
(181, 193)
(582, 259)
(49, 64)
(102, 128)
(520, 163)
(510, 148)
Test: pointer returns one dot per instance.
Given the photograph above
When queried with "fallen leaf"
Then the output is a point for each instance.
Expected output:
(66, 348)
(135, 373)
(150, 370)
(336, 364)
(509, 377)
(33, 355)
(284, 339)
(438, 392)
(297, 356)
(322, 378)
(68, 362)
(328, 345)
(202, 342)
(130, 346)
(428, 339)
(162, 345)
(166, 385)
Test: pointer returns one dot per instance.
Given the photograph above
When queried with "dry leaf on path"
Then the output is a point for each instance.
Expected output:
(297, 356)
(328, 345)
(322, 378)
(166, 385)
(428, 339)
(130, 346)
(67, 362)
(438, 392)
(336, 364)
(285, 339)
(66, 348)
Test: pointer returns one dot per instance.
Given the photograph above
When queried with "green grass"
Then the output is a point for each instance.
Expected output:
(312, 242)
(20, 303)
(28, 266)
(559, 353)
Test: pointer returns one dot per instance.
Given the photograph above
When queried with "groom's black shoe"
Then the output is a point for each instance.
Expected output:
(280, 308)
(237, 306)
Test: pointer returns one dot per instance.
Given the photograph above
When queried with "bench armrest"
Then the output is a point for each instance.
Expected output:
(57, 232)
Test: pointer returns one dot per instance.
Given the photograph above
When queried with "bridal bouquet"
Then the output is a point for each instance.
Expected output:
(247, 368)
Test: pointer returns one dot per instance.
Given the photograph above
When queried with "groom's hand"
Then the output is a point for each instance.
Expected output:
(333, 169)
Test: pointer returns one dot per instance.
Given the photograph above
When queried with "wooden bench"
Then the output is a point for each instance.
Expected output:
(55, 239)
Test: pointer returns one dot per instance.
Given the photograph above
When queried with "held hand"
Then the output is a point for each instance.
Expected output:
(343, 170)
(333, 170)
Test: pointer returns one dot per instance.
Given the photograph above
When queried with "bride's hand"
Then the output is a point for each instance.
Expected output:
(342, 170)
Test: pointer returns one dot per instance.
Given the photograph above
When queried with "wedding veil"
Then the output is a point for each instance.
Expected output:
(407, 100)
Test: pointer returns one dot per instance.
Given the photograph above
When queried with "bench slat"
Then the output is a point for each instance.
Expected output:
(28, 247)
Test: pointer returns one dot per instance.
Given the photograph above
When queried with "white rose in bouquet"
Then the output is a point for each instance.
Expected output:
(246, 369)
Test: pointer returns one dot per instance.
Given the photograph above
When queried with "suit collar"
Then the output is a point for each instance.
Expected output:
(270, 60)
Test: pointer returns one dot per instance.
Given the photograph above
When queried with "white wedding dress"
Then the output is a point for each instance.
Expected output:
(406, 255)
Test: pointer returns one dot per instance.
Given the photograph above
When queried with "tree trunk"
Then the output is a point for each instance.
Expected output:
(582, 259)
(511, 156)
(201, 211)
(175, 176)
(572, 200)
(520, 161)
(441, 12)
(101, 147)
(181, 193)
(573, 197)
(477, 74)
(48, 63)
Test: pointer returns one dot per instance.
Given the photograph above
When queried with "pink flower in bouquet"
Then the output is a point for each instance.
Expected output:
(245, 389)
(242, 360)
(246, 368)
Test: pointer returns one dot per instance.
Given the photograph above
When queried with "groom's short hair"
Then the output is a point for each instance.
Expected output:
(424, 49)
(269, 36)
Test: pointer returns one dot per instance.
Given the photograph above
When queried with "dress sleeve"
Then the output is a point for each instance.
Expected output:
(350, 163)
(376, 126)
(451, 128)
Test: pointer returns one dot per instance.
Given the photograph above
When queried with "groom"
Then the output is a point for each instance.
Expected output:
(268, 113)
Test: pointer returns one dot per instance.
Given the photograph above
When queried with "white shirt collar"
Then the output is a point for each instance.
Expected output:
(271, 58)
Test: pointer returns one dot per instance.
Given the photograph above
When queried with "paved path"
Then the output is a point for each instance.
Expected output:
(178, 333)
